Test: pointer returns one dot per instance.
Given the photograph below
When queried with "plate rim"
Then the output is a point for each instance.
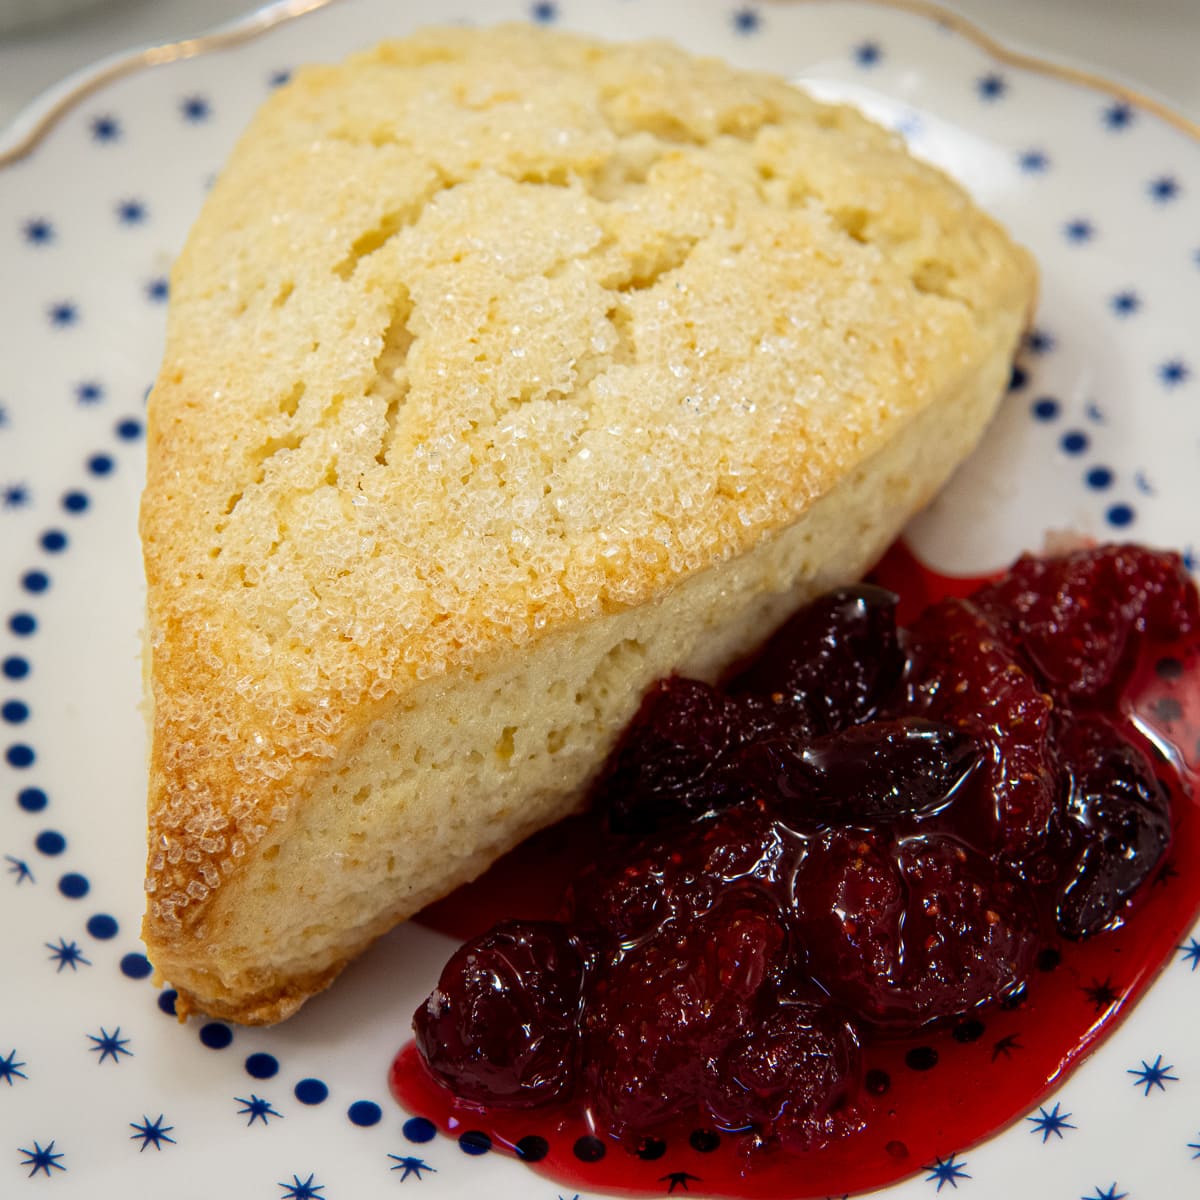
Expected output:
(37, 119)
(864, 6)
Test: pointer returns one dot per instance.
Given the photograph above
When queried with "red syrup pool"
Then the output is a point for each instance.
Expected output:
(926, 1095)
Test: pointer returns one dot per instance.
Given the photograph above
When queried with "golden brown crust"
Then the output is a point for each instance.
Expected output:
(483, 339)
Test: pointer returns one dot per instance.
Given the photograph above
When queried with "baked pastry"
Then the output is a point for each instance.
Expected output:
(508, 371)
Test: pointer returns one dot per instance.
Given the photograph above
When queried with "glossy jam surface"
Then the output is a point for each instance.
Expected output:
(854, 909)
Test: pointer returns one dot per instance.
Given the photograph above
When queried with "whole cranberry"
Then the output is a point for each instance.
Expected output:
(875, 772)
(502, 1024)
(910, 933)
(963, 673)
(630, 897)
(834, 663)
(793, 1078)
(680, 876)
(664, 1012)
(1078, 617)
(1117, 825)
(666, 770)
(970, 933)
(849, 913)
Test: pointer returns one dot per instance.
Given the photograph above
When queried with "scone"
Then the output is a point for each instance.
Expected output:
(507, 372)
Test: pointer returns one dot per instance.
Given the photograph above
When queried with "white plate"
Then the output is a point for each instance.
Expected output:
(101, 1093)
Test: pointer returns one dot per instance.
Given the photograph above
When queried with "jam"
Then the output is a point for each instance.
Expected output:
(855, 908)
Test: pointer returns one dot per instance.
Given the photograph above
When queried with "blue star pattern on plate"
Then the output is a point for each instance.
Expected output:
(1049, 1122)
(67, 954)
(131, 212)
(10, 1068)
(1125, 303)
(19, 869)
(42, 1158)
(105, 128)
(151, 1133)
(306, 1190)
(944, 1171)
(1191, 953)
(257, 1109)
(991, 87)
(1079, 230)
(1152, 1075)
(679, 1180)
(746, 20)
(1039, 341)
(1108, 1193)
(868, 54)
(15, 495)
(37, 231)
(1163, 189)
(109, 1045)
(195, 108)
(63, 313)
(1004, 1047)
(1118, 115)
(1174, 372)
(409, 1166)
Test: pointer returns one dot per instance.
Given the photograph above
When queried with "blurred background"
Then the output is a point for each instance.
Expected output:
(1153, 45)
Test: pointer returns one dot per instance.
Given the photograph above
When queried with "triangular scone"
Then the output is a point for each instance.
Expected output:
(508, 371)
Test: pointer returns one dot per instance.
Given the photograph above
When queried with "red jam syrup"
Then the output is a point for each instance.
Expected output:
(851, 912)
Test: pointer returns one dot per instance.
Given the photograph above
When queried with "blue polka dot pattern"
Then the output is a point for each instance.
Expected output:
(1074, 442)
(129, 429)
(15, 712)
(262, 1066)
(100, 464)
(103, 927)
(74, 886)
(365, 1113)
(474, 1141)
(136, 966)
(589, 1149)
(15, 667)
(166, 1001)
(532, 1148)
(20, 756)
(75, 502)
(23, 624)
(1099, 478)
(53, 541)
(1120, 516)
(50, 841)
(35, 581)
(311, 1091)
(216, 1035)
(32, 799)
(419, 1130)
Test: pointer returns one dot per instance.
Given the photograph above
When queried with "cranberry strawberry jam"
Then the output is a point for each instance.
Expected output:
(853, 909)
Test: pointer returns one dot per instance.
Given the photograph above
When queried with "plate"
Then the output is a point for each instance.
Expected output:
(102, 1092)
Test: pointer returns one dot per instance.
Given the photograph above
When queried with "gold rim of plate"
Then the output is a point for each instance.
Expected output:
(276, 14)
